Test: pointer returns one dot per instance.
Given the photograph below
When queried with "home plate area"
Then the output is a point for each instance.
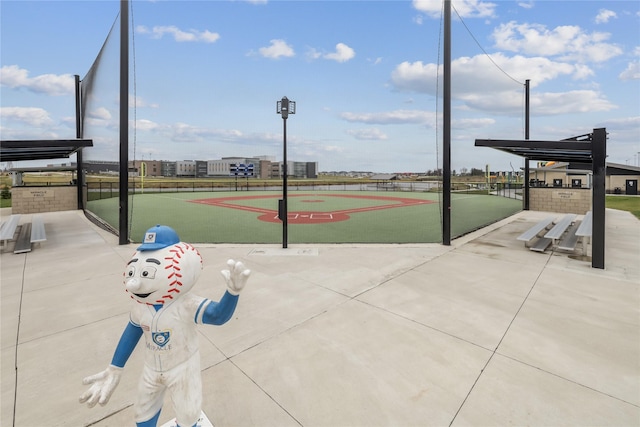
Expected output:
(306, 217)
(311, 217)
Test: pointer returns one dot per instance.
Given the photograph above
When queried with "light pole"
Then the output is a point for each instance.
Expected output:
(284, 107)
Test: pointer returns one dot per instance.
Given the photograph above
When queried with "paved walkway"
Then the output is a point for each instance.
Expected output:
(484, 332)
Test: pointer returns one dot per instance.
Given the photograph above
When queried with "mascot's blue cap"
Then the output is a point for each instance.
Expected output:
(159, 237)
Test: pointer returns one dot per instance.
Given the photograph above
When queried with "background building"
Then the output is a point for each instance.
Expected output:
(168, 169)
(264, 167)
(619, 179)
(153, 167)
(186, 168)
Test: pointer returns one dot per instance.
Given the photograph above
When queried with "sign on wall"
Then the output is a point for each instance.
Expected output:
(241, 169)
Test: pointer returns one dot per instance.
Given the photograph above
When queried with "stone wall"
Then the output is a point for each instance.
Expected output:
(561, 200)
(26, 200)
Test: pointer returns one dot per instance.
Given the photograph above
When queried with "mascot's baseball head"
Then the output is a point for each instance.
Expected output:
(163, 267)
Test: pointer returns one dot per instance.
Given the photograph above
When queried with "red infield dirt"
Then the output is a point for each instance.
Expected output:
(311, 217)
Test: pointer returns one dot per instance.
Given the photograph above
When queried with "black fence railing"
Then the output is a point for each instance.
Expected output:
(106, 190)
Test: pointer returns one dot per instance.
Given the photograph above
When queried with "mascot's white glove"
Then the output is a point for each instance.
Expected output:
(236, 276)
(102, 386)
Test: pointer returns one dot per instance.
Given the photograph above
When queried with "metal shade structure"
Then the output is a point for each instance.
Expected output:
(576, 149)
(587, 149)
(20, 150)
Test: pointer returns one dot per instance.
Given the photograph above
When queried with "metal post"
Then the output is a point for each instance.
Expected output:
(79, 174)
(123, 228)
(285, 216)
(284, 107)
(599, 155)
(446, 138)
(526, 136)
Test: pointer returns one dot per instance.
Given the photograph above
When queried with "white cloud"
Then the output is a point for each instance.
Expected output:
(179, 35)
(465, 8)
(481, 86)
(29, 133)
(391, 117)
(368, 134)
(568, 42)
(632, 123)
(313, 53)
(184, 132)
(187, 133)
(526, 5)
(632, 72)
(32, 116)
(577, 101)
(541, 104)
(139, 102)
(415, 77)
(472, 123)
(208, 36)
(343, 53)
(100, 113)
(277, 49)
(146, 125)
(604, 15)
(50, 84)
(480, 74)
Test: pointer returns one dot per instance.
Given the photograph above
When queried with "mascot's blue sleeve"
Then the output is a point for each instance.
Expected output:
(126, 345)
(218, 313)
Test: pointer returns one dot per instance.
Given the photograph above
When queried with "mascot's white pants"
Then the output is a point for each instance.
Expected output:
(185, 388)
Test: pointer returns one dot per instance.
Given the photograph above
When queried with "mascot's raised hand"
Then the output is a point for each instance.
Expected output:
(158, 278)
(236, 276)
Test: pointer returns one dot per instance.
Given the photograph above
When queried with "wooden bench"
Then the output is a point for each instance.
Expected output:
(585, 230)
(8, 229)
(528, 235)
(561, 226)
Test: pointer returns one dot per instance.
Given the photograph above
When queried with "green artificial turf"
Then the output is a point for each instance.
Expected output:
(202, 223)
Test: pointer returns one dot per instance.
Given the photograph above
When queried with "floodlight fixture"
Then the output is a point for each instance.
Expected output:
(284, 107)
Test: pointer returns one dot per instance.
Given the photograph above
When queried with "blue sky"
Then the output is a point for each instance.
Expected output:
(364, 75)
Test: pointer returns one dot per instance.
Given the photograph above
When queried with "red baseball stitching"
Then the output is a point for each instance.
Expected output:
(175, 268)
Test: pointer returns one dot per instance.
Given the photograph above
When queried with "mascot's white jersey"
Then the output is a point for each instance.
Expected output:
(170, 334)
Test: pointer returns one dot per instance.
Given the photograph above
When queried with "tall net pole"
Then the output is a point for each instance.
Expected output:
(124, 123)
(526, 136)
(446, 129)
(79, 159)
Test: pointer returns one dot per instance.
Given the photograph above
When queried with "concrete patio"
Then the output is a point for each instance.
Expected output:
(483, 332)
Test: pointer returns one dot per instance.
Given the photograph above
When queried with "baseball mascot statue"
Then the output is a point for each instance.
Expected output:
(158, 278)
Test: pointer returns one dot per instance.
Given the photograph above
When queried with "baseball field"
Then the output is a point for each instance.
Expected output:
(313, 216)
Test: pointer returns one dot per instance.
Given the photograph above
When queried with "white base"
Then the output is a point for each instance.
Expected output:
(284, 252)
(203, 421)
